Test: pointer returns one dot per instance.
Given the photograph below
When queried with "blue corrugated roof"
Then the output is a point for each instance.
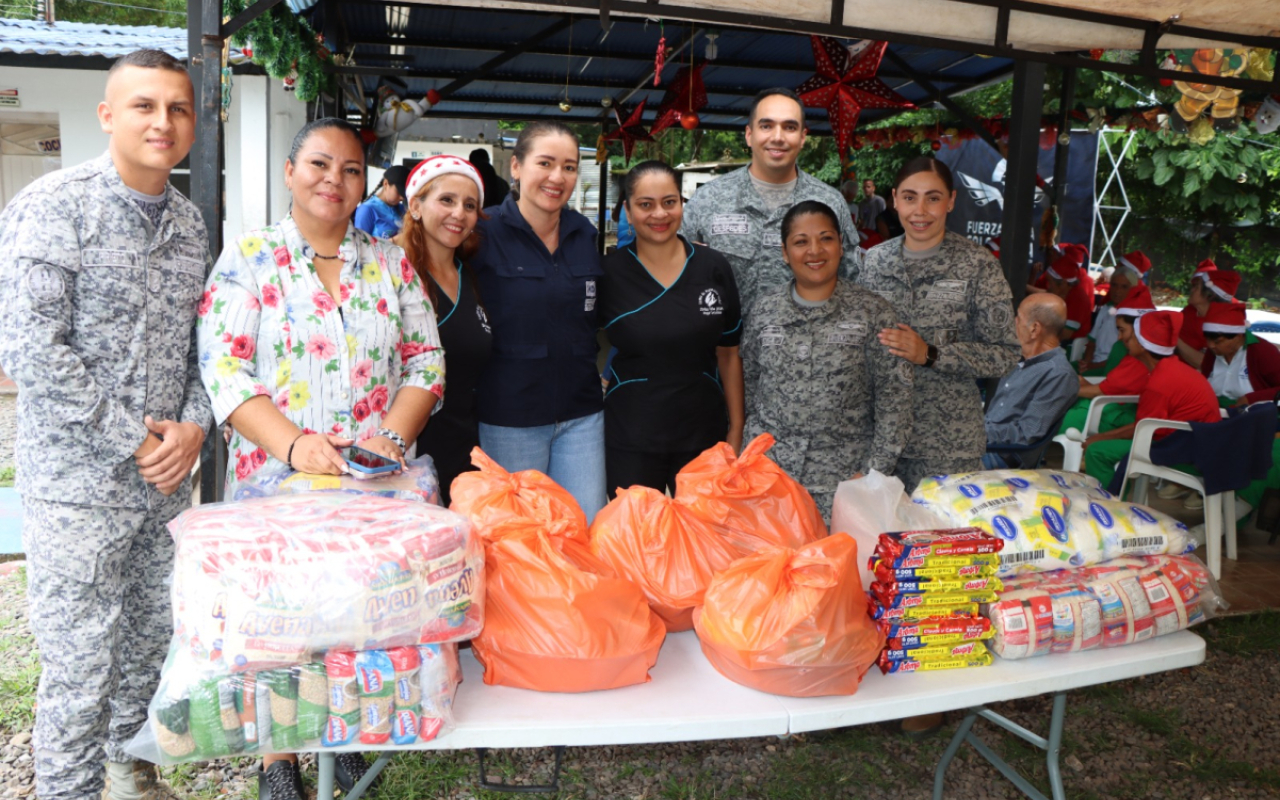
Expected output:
(88, 39)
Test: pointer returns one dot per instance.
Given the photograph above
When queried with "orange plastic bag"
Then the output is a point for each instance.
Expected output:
(749, 498)
(791, 622)
(556, 620)
(664, 548)
(492, 494)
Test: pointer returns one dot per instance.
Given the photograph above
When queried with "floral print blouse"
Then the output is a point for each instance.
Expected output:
(267, 326)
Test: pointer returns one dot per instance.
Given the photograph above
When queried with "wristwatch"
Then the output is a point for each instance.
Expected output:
(931, 355)
(393, 436)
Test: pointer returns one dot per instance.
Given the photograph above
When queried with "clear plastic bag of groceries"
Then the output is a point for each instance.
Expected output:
(418, 482)
(400, 696)
(1117, 602)
(1051, 520)
(269, 582)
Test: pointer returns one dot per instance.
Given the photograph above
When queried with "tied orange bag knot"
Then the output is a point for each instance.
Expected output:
(492, 494)
(751, 500)
(791, 622)
(664, 548)
(557, 620)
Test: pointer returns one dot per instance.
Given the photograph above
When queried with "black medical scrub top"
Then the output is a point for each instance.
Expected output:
(467, 341)
(664, 390)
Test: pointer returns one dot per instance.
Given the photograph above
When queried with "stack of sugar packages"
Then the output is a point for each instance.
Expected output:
(927, 591)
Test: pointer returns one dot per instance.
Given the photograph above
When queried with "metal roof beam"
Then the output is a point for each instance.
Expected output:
(488, 67)
(939, 96)
(455, 44)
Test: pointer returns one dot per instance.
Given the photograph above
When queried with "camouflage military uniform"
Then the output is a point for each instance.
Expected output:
(729, 215)
(97, 322)
(818, 379)
(958, 300)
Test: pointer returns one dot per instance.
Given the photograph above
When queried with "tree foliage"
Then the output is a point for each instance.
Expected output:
(162, 13)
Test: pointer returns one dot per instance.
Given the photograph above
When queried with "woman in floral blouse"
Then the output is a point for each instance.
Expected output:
(314, 335)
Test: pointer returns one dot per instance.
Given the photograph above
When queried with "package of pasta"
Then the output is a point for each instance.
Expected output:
(938, 585)
(881, 594)
(939, 630)
(933, 652)
(275, 581)
(557, 619)
(892, 667)
(916, 613)
(791, 622)
(929, 547)
(664, 548)
(490, 494)
(750, 500)
(417, 483)
(941, 567)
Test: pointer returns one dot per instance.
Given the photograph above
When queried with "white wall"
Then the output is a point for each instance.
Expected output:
(261, 123)
(72, 94)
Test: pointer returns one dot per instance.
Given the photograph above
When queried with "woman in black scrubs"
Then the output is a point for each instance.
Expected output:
(671, 309)
(446, 194)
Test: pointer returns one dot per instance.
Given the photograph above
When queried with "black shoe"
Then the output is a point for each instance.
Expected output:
(349, 768)
(280, 781)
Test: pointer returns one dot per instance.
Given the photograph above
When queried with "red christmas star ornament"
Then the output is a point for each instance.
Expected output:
(685, 95)
(631, 131)
(846, 83)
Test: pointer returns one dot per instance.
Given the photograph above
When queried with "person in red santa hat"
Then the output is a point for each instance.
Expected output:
(1104, 350)
(1174, 391)
(1208, 285)
(1066, 280)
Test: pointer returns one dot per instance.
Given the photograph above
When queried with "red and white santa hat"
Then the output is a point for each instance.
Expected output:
(1136, 303)
(1136, 261)
(1068, 266)
(1157, 331)
(432, 168)
(1228, 318)
(993, 244)
(1223, 283)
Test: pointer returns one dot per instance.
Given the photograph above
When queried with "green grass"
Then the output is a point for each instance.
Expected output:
(18, 686)
(1246, 635)
(6, 476)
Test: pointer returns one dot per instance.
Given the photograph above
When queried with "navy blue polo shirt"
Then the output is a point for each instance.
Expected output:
(542, 308)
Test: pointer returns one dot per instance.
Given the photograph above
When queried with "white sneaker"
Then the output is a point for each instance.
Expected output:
(1171, 491)
(1194, 502)
(135, 780)
(1197, 533)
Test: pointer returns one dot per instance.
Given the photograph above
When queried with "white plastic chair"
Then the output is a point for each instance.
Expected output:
(1078, 345)
(1073, 440)
(1219, 509)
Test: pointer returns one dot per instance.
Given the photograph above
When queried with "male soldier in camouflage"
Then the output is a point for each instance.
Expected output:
(957, 322)
(101, 268)
(740, 214)
(835, 398)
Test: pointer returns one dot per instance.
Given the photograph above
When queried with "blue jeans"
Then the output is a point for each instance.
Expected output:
(570, 452)
(993, 461)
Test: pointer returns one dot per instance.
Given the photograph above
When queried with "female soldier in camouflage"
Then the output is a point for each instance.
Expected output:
(957, 327)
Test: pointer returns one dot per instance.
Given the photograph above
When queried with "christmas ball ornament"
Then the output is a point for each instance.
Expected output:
(689, 121)
(248, 52)
(433, 97)
(1165, 83)
(566, 106)
(368, 136)
(935, 145)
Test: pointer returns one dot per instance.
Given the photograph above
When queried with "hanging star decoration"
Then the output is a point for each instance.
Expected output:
(685, 95)
(846, 83)
(631, 131)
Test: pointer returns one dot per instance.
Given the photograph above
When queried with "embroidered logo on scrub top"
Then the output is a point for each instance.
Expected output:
(771, 336)
(484, 319)
(709, 303)
(590, 304)
(731, 224)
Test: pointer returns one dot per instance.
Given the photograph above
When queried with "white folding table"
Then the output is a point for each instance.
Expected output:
(687, 700)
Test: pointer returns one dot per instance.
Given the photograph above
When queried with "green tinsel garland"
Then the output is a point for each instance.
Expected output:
(282, 43)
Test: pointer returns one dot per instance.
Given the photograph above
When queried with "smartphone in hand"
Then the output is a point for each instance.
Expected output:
(366, 464)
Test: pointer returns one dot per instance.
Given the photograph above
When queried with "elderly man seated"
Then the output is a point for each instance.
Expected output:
(1043, 385)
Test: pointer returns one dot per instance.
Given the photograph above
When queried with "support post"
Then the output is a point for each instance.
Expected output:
(1020, 180)
(603, 212)
(1067, 99)
(204, 51)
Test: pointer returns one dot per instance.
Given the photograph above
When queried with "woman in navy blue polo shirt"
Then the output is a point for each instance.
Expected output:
(540, 402)
(672, 310)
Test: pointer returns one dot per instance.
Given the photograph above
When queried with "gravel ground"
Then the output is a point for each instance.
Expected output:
(1194, 734)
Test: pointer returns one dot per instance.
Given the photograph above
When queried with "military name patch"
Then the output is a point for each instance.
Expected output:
(948, 289)
(842, 337)
(772, 239)
(105, 257)
(730, 224)
(771, 336)
(44, 284)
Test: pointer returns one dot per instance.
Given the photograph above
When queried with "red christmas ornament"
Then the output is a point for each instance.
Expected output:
(845, 84)
(433, 97)
(1166, 82)
(368, 136)
(659, 61)
(248, 52)
(689, 121)
(685, 94)
(1096, 55)
(935, 145)
(631, 131)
